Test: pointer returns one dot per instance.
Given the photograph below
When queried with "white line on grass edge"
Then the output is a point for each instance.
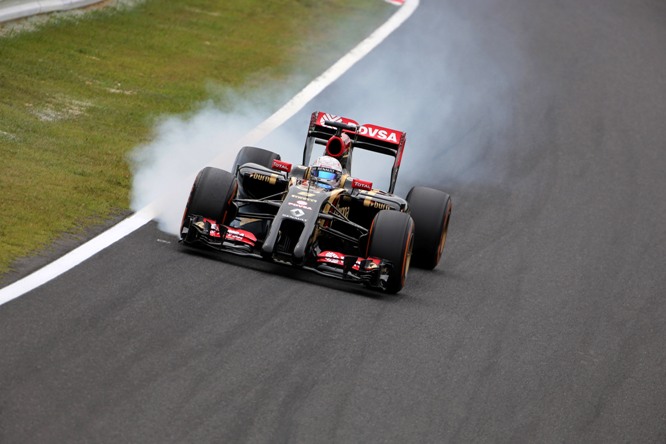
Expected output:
(30, 8)
(146, 214)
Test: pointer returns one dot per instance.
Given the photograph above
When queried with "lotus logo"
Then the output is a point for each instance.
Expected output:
(297, 212)
(331, 117)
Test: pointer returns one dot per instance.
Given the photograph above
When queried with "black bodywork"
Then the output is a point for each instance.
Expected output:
(295, 222)
(274, 212)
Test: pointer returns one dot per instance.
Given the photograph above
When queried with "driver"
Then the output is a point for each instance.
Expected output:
(326, 172)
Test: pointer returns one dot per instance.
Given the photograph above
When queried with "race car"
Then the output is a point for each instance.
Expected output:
(319, 217)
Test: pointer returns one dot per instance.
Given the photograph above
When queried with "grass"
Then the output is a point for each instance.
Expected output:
(80, 92)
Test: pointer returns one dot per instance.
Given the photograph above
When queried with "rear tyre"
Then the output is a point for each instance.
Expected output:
(250, 154)
(431, 211)
(211, 196)
(391, 238)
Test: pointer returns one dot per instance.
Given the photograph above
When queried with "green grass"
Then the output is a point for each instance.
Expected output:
(78, 94)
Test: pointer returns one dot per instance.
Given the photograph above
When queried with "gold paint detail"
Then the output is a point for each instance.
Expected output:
(334, 197)
(370, 203)
(271, 179)
(246, 220)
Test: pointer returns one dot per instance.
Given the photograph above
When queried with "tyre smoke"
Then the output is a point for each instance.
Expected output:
(451, 97)
(164, 169)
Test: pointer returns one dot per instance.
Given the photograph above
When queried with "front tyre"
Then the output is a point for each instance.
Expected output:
(211, 197)
(392, 238)
(251, 154)
(431, 211)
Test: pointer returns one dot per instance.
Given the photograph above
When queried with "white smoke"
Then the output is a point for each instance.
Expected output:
(448, 95)
(164, 169)
(452, 96)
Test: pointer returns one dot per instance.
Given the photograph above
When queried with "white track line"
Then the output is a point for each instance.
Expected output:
(17, 10)
(145, 215)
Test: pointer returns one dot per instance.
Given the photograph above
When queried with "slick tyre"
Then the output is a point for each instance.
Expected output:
(211, 196)
(431, 211)
(250, 154)
(391, 238)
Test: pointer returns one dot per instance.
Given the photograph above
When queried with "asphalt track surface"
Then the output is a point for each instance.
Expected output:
(544, 323)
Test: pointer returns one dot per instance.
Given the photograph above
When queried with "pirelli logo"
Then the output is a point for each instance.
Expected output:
(270, 179)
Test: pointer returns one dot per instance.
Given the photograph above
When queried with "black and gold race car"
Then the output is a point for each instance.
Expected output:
(319, 217)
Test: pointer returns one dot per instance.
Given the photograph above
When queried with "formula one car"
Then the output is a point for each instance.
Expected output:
(319, 217)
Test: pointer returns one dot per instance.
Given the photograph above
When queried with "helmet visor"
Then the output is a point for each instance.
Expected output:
(325, 175)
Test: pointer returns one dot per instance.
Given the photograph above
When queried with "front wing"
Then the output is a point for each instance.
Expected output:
(201, 232)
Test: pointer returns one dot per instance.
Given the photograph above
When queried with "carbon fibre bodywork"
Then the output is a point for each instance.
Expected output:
(281, 217)
(270, 209)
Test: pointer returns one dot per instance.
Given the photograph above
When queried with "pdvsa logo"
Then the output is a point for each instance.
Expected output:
(379, 133)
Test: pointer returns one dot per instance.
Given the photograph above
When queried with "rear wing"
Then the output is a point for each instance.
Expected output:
(323, 127)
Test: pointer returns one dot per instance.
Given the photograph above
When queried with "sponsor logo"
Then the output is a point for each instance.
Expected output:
(361, 184)
(302, 199)
(330, 117)
(323, 117)
(377, 132)
(234, 236)
(295, 204)
(374, 204)
(264, 178)
(331, 257)
(240, 236)
(297, 212)
(369, 130)
(282, 166)
(306, 194)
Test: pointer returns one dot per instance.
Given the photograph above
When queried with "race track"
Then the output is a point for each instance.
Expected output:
(544, 322)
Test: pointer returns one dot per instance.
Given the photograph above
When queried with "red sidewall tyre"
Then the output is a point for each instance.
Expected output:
(391, 238)
(431, 211)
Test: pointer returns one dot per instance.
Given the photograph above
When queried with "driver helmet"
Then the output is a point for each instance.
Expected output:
(326, 172)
